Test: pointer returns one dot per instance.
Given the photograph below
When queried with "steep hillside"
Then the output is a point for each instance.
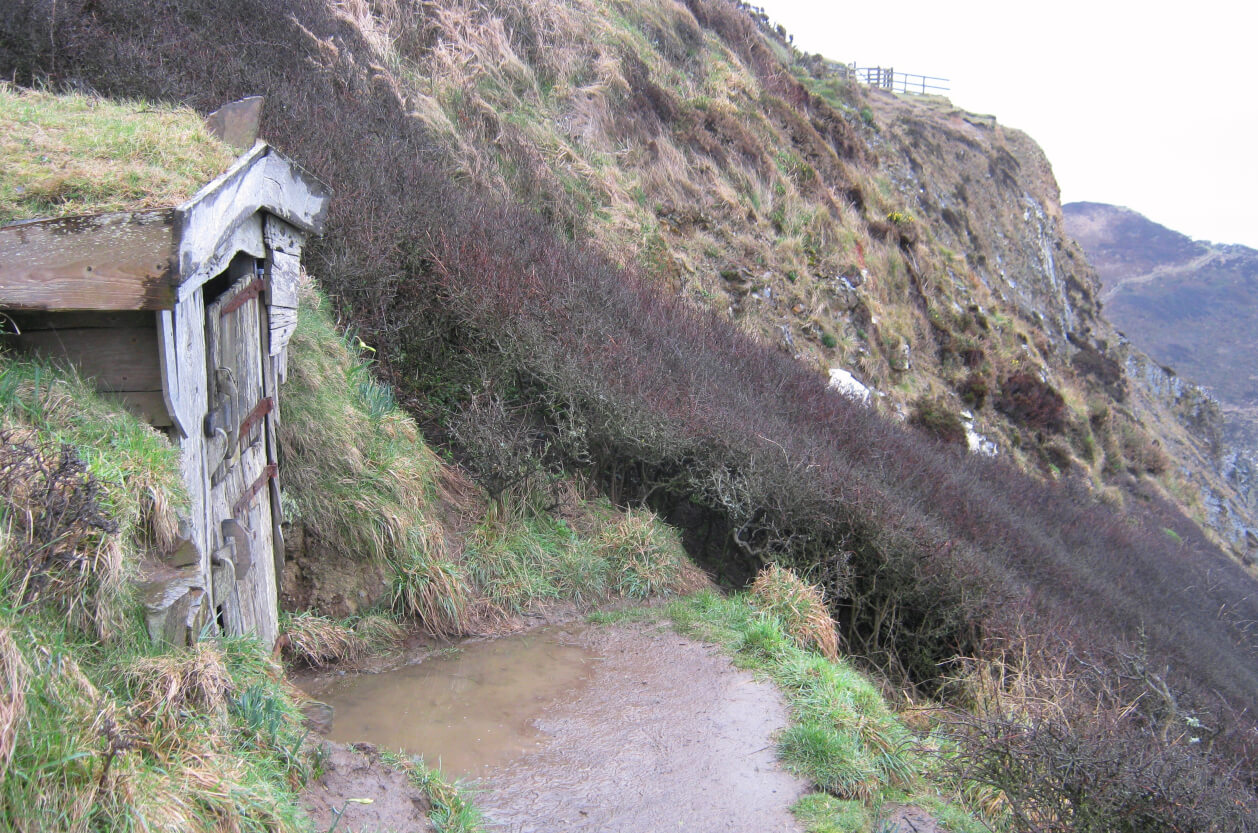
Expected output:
(548, 217)
(1191, 305)
(1188, 303)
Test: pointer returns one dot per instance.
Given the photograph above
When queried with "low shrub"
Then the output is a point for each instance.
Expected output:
(934, 419)
(1030, 401)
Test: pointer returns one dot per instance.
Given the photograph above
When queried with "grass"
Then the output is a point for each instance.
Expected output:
(356, 470)
(452, 810)
(521, 557)
(80, 154)
(360, 478)
(315, 641)
(843, 737)
(99, 728)
(58, 436)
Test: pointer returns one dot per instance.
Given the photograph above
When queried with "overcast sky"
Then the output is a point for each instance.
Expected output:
(1149, 105)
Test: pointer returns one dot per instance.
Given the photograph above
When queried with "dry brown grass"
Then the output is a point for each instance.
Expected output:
(13, 681)
(316, 641)
(166, 685)
(800, 606)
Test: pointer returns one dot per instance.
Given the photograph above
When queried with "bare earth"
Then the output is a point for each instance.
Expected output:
(667, 736)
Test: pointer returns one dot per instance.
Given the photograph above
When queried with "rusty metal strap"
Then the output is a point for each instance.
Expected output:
(255, 416)
(245, 295)
(265, 477)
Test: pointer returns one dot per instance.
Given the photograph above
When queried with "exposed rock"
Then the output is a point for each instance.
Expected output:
(847, 384)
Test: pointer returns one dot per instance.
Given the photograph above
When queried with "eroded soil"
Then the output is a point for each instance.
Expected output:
(664, 734)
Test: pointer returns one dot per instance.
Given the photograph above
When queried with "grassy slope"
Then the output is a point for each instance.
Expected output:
(368, 490)
(99, 729)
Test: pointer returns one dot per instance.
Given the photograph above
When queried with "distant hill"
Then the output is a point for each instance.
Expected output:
(1187, 303)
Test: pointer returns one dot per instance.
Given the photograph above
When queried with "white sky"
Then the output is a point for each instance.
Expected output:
(1151, 105)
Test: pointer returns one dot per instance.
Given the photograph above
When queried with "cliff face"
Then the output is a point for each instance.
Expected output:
(1191, 305)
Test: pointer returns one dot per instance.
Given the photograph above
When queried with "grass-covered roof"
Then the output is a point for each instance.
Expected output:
(64, 155)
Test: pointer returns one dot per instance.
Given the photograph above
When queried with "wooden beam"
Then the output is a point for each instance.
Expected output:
(107, 261)
(119, 359)
(260, 180)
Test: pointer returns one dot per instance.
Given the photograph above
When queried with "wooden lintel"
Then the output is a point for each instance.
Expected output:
(261, 180)
(118, 261)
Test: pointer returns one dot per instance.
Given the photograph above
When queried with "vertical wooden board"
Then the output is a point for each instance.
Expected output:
(168, 362)
(188, 332)
(283, 277)
(270, 382)
(283, 325)
(237, 353)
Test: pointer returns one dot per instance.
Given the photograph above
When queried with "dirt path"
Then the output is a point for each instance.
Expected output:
(668, 735)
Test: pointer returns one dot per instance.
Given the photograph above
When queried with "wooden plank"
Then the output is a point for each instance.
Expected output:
(81, 320)
(283, 325)
(124, 359)
(244, 237)
(261, 180)
(169, 365)
(282, 237)
(236, 339)
(191, 398)
(119, 261)
(283, 276)
(148, 405)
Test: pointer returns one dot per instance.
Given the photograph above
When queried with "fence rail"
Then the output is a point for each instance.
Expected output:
(898, 82)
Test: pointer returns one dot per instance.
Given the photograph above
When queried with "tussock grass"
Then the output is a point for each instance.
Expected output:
(99, 729)
(842, 735)
(81, 154)
(801, 608)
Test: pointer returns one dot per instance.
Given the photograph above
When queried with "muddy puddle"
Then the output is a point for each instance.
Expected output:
(468, 709)
(585, 729)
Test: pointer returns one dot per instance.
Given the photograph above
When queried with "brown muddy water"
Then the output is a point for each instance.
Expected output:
(466, 709)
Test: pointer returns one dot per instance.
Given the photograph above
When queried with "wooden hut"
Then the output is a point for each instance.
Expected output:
(184, 315)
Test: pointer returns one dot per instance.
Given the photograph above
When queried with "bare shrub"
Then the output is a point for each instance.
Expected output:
(58, 538)
(1079, 744)
(1028, 400)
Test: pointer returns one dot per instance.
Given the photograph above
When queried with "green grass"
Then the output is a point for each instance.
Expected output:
(99, 728)
(520, 557)
(47, 410)
(356, 470)
(452, 810)
(843, 737)
(78, 154)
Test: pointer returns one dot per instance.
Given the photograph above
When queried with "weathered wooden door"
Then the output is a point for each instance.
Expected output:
(240, 521)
